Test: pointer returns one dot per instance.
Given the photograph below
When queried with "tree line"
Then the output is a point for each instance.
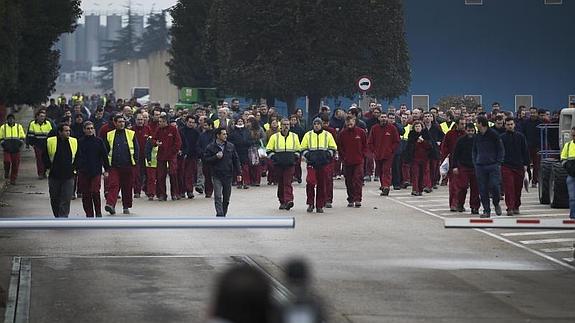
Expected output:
(290, 48)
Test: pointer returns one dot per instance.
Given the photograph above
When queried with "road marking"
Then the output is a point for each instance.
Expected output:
(547, 241)
(536, 233)
(551, 250)
(569, 259)
(500, 238)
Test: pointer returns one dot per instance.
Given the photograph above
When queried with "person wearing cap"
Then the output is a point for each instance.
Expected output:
(123, 151)
(352, 149)
(283, 150)
(318, 147)
(12, 138)
(169, 143)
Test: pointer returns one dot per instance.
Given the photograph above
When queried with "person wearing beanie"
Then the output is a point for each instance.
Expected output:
(318, 147)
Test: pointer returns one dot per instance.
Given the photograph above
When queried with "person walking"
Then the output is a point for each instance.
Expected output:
(123, 151)
(92, 157)
(167, 138)
(318, 148)
(142, 133)
(421, 148)
(352, 150)
(189, 159)
(224, 162)
(447, 150)
(283, 150)
(38, 131)
(239, 135)
(206, 138)
(488, 154)
(59, 159)
(383, 141)
(464, 172)
(12, 137)
(568, 162)
(515, 164)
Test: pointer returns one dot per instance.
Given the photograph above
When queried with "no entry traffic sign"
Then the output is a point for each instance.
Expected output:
(364, 83)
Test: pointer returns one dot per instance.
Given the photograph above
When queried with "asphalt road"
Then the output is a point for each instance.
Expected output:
(389, 261)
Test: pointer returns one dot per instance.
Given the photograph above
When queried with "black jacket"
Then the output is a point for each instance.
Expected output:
(488, 149)
(240, 137)
(204, 140)
(410, 149)
(516, 152)
(190, 138)
(463, 152)
(532, 133)
(92, 156)
(226, 167)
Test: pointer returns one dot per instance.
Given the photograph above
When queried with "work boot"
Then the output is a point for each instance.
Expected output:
(485, 215)
(126, 211)
(110, 209)
(309, 208)
(350, 204)
(498, 211)
(396, 188)
(191, 194)
(384, 191)
(427, 190)
(509, 212)
(460, 208)
(289, 205)
(282, 207)
(474, 211)
(516, 211)
(452, 209)
(137, 195)
(319, 210)
(357, 204)
(199, 190)
(328, 205)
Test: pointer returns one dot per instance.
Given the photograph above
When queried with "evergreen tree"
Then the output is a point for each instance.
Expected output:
(123, 48)
(292, 48)
(29, 62)
(188, 66)
(156, 37)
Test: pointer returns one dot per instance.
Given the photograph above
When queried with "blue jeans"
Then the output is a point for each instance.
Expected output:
(489, 181)
(571, 189)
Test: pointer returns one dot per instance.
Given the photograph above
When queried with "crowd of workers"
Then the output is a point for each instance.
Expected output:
(136, 149)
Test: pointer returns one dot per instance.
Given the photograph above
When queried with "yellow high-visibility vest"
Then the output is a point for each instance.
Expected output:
(445, 127)
(407, 129)
(111, 135)
(153, 163)
(278, 143)
(52, 145)
(568, 151)
(321, 141)
(39, 131)
(12, 132)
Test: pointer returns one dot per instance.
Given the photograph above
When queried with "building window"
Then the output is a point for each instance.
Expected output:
(420, 102)
(553, 2)
(473, 2)
(523, 100)
(477, 98)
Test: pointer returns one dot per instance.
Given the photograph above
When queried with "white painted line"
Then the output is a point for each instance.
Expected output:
(551, 250)
(535, 233)
(536, 252)
(547, 241)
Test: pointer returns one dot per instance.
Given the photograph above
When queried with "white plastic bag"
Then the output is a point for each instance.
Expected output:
(526, 181)
(444, 168)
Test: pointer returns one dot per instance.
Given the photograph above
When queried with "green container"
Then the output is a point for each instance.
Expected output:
(198, 95)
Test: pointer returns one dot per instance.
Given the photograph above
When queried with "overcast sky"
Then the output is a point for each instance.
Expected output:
(108, 6)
